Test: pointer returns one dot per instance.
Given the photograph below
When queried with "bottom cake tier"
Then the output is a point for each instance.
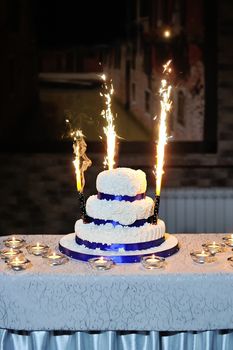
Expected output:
(69, 247)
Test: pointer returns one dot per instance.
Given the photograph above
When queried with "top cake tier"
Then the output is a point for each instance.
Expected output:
(121, 182)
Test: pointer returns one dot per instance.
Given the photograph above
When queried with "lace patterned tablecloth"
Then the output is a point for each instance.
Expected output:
(182, 296)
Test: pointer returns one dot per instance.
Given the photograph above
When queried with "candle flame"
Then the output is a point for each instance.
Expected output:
(165, 104)
(109, 130)
(81, 161)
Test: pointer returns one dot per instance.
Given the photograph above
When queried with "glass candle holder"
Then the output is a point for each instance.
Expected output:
(37, 249)
(54, 258)
(9, 253)
(152, 262)
(14, 242)
(230, 259)
(101, 263)
(213, 247)
(202, 256)
(18, 263)
(228, 240)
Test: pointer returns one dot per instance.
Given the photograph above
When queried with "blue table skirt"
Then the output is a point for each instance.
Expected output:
(112, 340)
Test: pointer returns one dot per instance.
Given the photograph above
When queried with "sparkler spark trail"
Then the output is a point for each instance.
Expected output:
(81, 161)
(165, 104)
(109, 130)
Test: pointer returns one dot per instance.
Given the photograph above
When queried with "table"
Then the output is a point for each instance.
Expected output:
(182, 297)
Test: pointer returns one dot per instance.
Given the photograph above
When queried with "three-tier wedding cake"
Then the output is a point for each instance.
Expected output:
(119, 222)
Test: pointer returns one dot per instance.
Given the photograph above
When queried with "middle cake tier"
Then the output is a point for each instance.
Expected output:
(126, 213)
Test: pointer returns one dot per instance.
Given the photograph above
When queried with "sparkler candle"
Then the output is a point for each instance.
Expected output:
(109, 130)
(165, 105)
(81, 163)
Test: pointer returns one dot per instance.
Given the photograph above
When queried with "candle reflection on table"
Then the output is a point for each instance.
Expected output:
(101, 263)
(228, 240)
(18, 263)
(9, 253)
(152, 262)
(54, 258)
(213, 247)
(13, 242)
(202, 257)
(37, 249)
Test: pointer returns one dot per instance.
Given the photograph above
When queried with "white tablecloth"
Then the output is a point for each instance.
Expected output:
(182, 296)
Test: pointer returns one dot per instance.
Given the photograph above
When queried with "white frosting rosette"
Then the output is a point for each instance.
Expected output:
(119, 234)
(126, 213)
(121, 181)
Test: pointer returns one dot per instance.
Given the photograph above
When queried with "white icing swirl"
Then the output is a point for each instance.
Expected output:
(110, 235)
(122, 181)
(124, 212)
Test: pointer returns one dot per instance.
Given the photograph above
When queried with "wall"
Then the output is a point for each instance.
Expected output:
(38, 193)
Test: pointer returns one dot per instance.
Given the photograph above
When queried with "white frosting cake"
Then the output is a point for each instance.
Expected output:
(120, 213)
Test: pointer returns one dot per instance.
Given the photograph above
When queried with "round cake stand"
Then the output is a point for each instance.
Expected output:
(69, 247)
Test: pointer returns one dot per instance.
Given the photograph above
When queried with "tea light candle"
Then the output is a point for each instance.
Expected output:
(213, 247)
(55, 258)
(230, 259)
(228, 240)
(152, 262)
(201, 256)
(37, 249)
(101, 263)
(13, 242)
(18, 263)
(9, 253)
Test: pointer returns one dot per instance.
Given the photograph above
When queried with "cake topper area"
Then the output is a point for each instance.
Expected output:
(109, 130)
(165, 107)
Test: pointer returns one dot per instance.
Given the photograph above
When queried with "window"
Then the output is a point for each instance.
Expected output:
(12, 75)
(133, 91)
(117, 57)
(181, 108)
(13, 15)
(147, 64)
(144, 8)
(147, 101)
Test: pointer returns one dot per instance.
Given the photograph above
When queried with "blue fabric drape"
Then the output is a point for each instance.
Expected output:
(112, 340)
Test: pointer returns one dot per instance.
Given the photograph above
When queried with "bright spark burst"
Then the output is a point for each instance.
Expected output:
(81, 161)
(109, 130)
(165, 104)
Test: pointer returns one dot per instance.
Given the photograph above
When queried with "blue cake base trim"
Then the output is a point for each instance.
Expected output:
(117, 247)
(69, 247)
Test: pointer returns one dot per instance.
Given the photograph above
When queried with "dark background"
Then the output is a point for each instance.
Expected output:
(37, 184)
(79, 22)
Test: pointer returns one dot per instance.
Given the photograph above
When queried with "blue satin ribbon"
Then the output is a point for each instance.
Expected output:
(115, 247)
(112, 197)
(136, 223)
(119, 259)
